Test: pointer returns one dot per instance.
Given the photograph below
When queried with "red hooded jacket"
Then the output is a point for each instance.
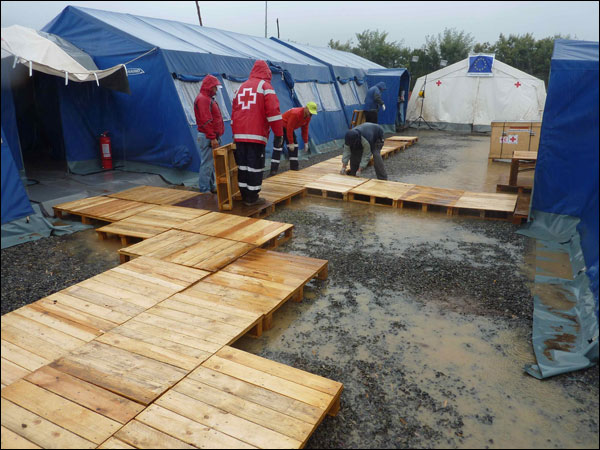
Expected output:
(208, 115)
(256, 108)
(293, 119)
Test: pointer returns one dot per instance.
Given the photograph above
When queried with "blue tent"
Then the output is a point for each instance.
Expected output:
(565, 210)
(395, 96)
(354, 75)
(15, 202)
(153, 129)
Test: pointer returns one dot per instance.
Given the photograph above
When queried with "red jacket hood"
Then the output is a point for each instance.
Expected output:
(261, 70)
(208, 83)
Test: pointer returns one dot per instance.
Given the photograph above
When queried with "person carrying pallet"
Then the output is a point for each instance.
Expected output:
(255, 109)
(293, 119)
(360, 143)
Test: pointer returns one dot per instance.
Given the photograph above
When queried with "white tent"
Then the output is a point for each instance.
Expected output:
(454, 100)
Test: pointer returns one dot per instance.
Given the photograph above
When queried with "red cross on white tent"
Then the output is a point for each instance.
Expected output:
(517, 84)
(438, 82)
(247, 98)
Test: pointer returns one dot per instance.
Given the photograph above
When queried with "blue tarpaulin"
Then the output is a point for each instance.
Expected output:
(15, 202)
(565, 210)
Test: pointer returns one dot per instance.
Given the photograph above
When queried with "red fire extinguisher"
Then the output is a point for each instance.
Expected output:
(106, 151)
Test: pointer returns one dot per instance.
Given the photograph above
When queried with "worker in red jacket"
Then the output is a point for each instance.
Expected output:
(209, 123)
(293, 119)
(255, 110)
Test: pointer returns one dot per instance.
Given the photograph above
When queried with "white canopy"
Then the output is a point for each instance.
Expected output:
(40, 53)
(456, 101)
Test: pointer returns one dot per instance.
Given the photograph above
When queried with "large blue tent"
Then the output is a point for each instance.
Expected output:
(354, 75)
(565, 211)
(153, 128)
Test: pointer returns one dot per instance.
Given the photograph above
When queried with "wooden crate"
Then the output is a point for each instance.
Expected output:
(226, 174)
(358, 117)
(237, 400)
(508, 137)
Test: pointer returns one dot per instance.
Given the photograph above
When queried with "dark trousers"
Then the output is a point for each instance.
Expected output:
(250, 159)
(371, 116)
(356, 156)
(292, 154)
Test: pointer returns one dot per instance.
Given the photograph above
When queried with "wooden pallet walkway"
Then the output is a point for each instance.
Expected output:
(209, 202)
(101, 208)
(237, 400)
(391, 148)
(240, 229)
(155, 195)
(188, 249)
(334, 186)
(278, 193)
(149, 223)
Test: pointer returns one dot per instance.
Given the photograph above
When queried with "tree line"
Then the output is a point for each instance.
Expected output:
(523, 52)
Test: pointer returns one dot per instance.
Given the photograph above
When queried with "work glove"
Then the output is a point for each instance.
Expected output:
(306, 148)
(278, 142)
(343, 171)
(383, 107)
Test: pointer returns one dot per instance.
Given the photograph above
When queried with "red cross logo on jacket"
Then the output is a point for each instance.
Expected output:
(247, 98)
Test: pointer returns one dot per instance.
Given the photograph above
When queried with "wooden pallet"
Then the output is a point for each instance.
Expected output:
(155, 195)
(358, 117)
(294, 178)
(149, 223)
(237, 400)
(390, 149)
(188, 249)
(379, 192)
(521, 213)
(278, 193)
(334, 186)
(410, 140)
(209, 202)
(102, 208)
(241, 229)
(425, 196)
(226, 175)
(486, 205)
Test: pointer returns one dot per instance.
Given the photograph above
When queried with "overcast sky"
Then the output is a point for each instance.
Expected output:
(315, 23)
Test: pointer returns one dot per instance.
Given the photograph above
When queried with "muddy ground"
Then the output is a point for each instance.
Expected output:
(425, 319)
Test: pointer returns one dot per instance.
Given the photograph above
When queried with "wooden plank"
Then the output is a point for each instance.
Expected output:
(250, 284)
(130, 375)
(254, 412)
(386, 189)
(149, 325)
(281, 370)
(31, 342)
(113, 443)
(13, 440)
(22, 357)
(11, 372)
(173, 273)
(257, 394)
(187, 430)
(39, 430)
(487, 201)
(155, 195)
(85, 394)
(57, 307)
(237, 427)
(432, 196)
(115, 288)
(192, 306)
(67, 326)
(77, 419)
(112, 308)
(272, 382)
(140, 435)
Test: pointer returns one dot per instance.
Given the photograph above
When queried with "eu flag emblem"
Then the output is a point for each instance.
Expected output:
(480, 65)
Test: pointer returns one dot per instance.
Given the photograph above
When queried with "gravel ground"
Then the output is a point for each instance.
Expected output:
(379, 291)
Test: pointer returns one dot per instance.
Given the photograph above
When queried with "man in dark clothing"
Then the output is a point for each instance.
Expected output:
(373, 101)
(360, 143)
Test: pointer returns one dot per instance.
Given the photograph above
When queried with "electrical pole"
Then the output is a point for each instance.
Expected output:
(199, 16)
(278, 28)
(265, 19)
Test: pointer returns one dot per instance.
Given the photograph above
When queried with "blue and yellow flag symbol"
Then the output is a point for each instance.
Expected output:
(480, 65)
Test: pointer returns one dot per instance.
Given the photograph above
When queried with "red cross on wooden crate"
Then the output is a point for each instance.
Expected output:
(438, 82)
(517, 84)
(512, 138)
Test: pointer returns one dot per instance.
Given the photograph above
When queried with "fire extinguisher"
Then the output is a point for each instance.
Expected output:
(106, 151)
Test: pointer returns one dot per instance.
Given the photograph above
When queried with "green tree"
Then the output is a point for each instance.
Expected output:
(453, 45)
(372, 45)
(337, 45)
